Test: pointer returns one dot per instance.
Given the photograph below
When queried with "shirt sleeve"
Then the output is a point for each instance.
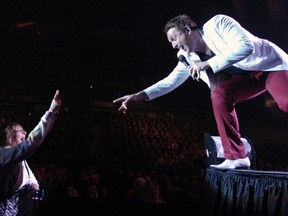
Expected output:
(178, 76)
(38, 134)
(228, 40)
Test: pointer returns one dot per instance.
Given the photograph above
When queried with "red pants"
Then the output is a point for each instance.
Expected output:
(241, 88)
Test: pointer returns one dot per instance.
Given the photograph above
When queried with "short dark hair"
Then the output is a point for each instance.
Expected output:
(181, 22)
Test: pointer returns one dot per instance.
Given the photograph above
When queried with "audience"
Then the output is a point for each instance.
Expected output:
(151, 157)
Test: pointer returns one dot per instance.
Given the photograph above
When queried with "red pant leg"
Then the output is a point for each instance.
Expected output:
(224, 98)
(277, 85)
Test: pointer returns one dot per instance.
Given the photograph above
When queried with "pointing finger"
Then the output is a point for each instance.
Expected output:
(56, 95)
(118, 100)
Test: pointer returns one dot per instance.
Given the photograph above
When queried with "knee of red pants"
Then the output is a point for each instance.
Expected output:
(284, 107)
(282, 103)
(216, 99)
(219, 100)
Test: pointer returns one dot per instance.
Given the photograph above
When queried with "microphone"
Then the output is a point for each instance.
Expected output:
(182, 59)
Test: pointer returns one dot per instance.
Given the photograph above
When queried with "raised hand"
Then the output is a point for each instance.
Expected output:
(56, 103)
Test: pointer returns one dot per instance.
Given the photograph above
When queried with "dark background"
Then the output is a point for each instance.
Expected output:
(116, 39)
(120, 46)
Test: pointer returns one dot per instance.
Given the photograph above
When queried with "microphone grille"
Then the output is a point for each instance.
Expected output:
(181, 58)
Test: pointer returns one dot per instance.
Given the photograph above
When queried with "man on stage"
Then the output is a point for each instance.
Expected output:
(235, 64)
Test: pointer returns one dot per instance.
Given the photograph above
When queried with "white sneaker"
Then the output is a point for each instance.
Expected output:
(233, 164)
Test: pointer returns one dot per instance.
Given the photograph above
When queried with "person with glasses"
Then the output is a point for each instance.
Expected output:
(235, 64)
(16, 178)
